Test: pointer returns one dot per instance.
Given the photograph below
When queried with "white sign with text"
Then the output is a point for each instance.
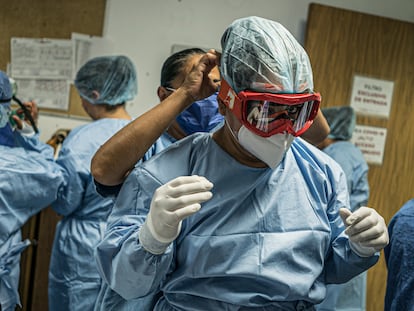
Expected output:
(371, 141)
(372, 96)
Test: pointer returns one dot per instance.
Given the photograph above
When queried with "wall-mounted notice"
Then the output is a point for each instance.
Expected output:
(43, 68)
(87, 47)
(371, 141)
(53, 94)
(42, 58)
(372, 96)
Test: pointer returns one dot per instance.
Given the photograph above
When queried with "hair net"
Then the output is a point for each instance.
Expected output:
(261, 55)
(6, 91)
(113, 77)
(6, 94)
(341, 120)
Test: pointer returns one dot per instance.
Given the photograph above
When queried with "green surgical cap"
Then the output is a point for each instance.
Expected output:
(341, 121)
(113, 77)
(261, 55)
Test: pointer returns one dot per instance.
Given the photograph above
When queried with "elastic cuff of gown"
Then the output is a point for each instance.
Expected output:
(149, 243)
(362, 251)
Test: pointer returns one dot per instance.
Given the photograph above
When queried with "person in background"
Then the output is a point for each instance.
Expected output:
(342, 120)
(29, 181)
(268, 186)
(104, 84)
(399, 259)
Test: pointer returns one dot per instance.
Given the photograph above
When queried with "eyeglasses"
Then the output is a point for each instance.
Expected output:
(267, 114)
(169, 89)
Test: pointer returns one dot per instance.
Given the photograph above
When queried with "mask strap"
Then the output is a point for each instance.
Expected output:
(231, 130)
(286, 140)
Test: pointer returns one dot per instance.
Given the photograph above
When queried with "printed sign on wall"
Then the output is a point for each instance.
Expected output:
(372, 96)
(371, 141)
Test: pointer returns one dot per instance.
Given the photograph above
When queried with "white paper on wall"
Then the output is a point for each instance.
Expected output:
(87, 47)
(42, 58)
(371, 141)
(372, 96)
(53, 94)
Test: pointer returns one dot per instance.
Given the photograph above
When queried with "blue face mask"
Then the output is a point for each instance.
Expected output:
(201, 116)
(7, 137)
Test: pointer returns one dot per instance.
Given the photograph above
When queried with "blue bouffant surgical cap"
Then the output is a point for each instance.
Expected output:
(341, 121)
(113, 77)
(6, 94)
(6, 91)
(261, 55)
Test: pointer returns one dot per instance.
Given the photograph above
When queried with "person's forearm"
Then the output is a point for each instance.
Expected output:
(117, 157)
(318, 131)
(114, 159)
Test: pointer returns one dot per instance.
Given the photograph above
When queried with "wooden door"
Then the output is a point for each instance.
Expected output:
(341, 44)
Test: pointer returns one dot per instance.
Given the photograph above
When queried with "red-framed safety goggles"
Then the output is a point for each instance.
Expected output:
(267, 114)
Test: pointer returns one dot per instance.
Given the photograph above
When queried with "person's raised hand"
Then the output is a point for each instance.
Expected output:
(24, 126)
(199, 83)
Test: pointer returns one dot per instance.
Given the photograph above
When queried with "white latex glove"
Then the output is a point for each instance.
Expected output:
(366, 230)
(25, 129)
(171, 203)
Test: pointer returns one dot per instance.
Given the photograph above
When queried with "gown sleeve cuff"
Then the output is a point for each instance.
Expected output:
(362, 251)
(149, 243)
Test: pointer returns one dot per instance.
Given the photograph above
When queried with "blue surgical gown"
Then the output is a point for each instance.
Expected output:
(350, 296)
(29, 182)
(399, 258)
(108, 299)
(268, 239)
(33, 143)
(10, 270)
(74, 281)
(355, 167)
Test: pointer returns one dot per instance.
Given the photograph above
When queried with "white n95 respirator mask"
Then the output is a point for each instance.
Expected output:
(270, 150)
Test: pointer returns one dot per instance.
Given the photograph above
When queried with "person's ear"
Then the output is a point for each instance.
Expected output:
(162, 93)
(95, 95)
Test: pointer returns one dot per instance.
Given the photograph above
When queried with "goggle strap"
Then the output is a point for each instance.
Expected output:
(230, 99)
(227, 94)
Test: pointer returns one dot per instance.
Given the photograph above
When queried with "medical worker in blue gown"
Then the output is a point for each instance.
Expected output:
(247, 217)
(104, 84)
(118, 155)
(351, 295)
(399, 259)
(29, 181)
